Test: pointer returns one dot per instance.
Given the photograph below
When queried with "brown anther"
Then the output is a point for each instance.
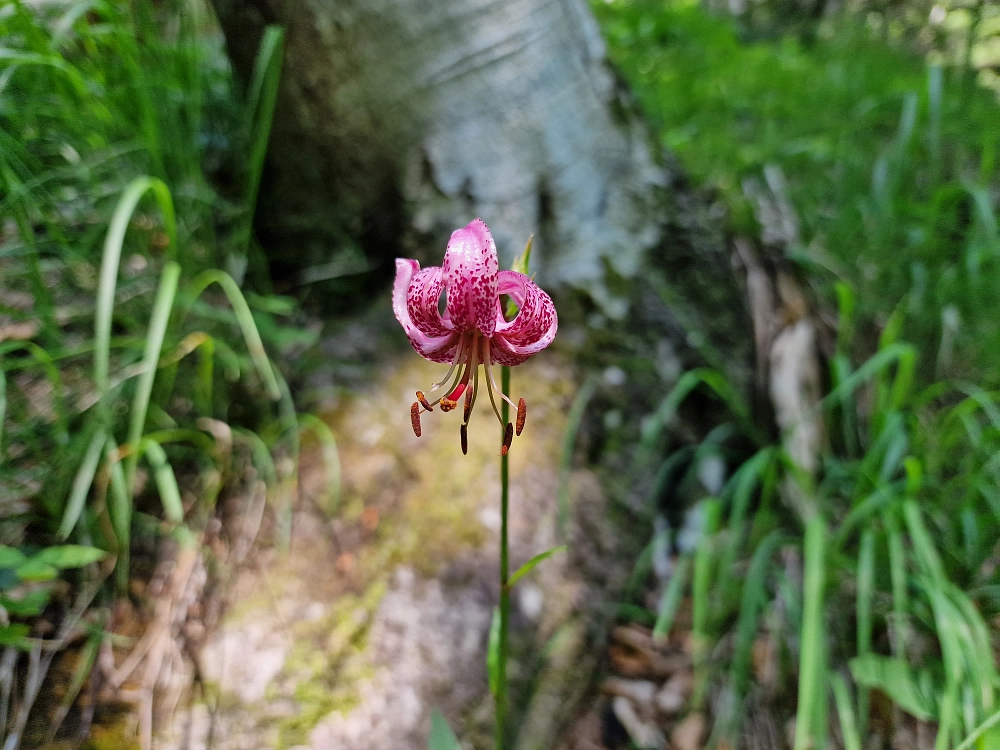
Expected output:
(464, 432)
(468, 405)
(522, 412)
(448, 404)
(508, 437)
(423, 401)
(415, 418)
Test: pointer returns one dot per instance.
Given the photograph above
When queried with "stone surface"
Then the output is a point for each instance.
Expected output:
(689, 733)
(319, 654)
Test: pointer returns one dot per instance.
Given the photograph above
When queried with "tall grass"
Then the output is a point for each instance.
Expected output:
(886, 583)
(109, 295)
(889, 162)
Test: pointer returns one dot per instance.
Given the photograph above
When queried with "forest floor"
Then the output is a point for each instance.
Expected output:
(381, 612)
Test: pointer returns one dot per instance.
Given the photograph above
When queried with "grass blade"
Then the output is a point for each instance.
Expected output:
(753, 599)
(246, 322)
(166, 482)
(530, 565)
(120, 513)
(897, 574)
(848, 727)
(701, 589)
(744, 481)
(979, 731)
(260, 110)
(878, 362)
(895, 678)
(658, 420)
(154, 345)
(863, 612)
(811, 654)
(111, 259)
(81, 485)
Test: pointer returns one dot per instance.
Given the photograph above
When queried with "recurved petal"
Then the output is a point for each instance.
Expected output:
(406, 268)
(439, 348)
(436, 349)
(535, 325)
(501, 354)
(422, 302)
(470, 276)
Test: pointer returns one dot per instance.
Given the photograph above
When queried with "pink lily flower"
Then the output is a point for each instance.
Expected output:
(472, 330)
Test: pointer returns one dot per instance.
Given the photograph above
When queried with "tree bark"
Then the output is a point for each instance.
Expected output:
(399, 120)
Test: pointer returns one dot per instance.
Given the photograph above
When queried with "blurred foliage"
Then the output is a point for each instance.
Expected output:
(890, 166)
(136, 387)
(879, 572)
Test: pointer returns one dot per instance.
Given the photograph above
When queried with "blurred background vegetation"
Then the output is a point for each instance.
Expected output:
(143, 376)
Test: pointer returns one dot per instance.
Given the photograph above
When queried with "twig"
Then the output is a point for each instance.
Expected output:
(38, 667)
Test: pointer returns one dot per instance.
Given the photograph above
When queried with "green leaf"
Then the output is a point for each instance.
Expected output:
(10, 557)
(29, 605)
(36, 570)
(110, 260)
(81, 485)
(520, 265)
(442, 738)
(69, 556)
(493, 652)
(15, 635)
(529, 566)
(522, 261)
(845, 712)
(894, 678)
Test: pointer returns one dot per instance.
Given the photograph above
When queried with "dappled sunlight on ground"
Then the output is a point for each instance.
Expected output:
(381, 612)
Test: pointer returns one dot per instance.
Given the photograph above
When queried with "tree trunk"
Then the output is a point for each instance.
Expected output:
(400, 120)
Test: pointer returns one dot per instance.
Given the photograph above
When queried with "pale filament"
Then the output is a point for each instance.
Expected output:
(473, 350)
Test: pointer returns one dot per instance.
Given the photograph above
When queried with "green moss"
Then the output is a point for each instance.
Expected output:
(328, 661)
(112, 737)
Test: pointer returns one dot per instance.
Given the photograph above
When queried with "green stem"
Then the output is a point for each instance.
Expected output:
(501, 697)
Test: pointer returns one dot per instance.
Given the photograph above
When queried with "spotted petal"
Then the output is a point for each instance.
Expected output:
(470, 276)
(429, 336)
(532, 329)
(422, 297)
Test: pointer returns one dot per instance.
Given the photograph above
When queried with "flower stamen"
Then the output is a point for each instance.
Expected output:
(488, 364)
(459, 351)
(415, 418)
(467, 411)
(508, 438)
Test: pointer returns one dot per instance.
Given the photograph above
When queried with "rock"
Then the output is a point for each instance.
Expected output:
(689, 733)
(674, 693)
(531, 600)
(357, 654)
(645, 735)
(640, 692)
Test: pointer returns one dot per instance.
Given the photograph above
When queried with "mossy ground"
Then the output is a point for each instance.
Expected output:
(407, 503)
